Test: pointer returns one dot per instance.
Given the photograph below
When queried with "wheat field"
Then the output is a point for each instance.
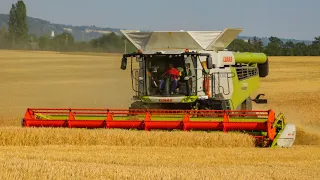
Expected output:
(49, 79)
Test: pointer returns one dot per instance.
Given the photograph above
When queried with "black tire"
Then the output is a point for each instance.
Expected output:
(264, 69)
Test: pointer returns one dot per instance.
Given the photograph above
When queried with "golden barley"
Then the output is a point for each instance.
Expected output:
(48, 79)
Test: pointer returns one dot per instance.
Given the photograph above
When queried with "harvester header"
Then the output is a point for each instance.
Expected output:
(185, 80)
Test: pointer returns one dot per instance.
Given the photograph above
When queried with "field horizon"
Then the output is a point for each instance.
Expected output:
(92, 80)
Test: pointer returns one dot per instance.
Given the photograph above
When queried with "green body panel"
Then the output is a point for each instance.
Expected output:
(242, 89)
(189, 99)
(279, 123)
(249, 58)
(274, 143)
(145, 99)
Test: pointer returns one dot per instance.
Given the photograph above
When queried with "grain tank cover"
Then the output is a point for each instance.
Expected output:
(181, 40)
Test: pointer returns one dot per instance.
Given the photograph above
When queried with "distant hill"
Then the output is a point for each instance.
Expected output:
(86, 33)
(42, 27)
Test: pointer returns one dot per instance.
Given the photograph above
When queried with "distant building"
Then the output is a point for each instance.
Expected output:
(69, 30)
(97, 31)
(52, 34)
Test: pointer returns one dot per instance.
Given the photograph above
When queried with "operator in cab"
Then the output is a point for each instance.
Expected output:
(173, 74)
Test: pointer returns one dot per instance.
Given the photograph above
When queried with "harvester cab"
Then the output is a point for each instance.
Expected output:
(184, 80)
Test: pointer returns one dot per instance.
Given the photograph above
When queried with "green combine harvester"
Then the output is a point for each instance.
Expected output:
(185, 80)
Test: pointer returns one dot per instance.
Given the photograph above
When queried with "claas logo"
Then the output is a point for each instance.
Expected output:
(227, 59)
(165, 100)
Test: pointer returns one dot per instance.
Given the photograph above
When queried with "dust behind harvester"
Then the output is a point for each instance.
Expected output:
(187, 81)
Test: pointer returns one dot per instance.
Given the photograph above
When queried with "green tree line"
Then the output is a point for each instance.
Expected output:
(65, 42)
(276, 47)
(17, 36)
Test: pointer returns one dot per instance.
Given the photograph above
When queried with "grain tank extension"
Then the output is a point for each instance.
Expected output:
(184, 80)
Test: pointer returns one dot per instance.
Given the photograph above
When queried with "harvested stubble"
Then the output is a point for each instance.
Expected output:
(14, 136)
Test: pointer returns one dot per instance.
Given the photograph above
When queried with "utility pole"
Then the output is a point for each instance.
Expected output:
(82, 33)
(66, 41)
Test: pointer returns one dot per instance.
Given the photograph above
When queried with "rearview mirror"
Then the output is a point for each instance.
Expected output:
(124, 63)
(261, 101)
(209, 62)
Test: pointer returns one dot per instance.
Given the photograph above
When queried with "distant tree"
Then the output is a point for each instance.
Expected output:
(45, 43)
(83, 47)
(240, 45)
(314, 48)
(288, 49)
(4, 38)
(21, 21)
(300, 49)
(64, 42)
(129, 46)
(316, 41)
(109, 43)
(3, 30)
(274, 47)
(256, 44)
(32, 42)
(260, 43)
(17, 25)
(12, 23)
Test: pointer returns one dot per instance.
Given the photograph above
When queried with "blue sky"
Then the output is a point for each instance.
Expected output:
(282, 18)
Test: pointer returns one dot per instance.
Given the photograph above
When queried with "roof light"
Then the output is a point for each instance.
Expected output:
(187, 50)
(139, 51)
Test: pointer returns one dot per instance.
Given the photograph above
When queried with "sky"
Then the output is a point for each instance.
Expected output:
(296, 19)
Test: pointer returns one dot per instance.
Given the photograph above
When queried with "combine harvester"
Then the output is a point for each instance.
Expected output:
(209, 91)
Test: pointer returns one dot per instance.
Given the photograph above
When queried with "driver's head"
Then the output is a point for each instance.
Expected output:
(170, 66)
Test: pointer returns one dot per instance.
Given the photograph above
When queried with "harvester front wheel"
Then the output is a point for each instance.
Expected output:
(264, 69)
